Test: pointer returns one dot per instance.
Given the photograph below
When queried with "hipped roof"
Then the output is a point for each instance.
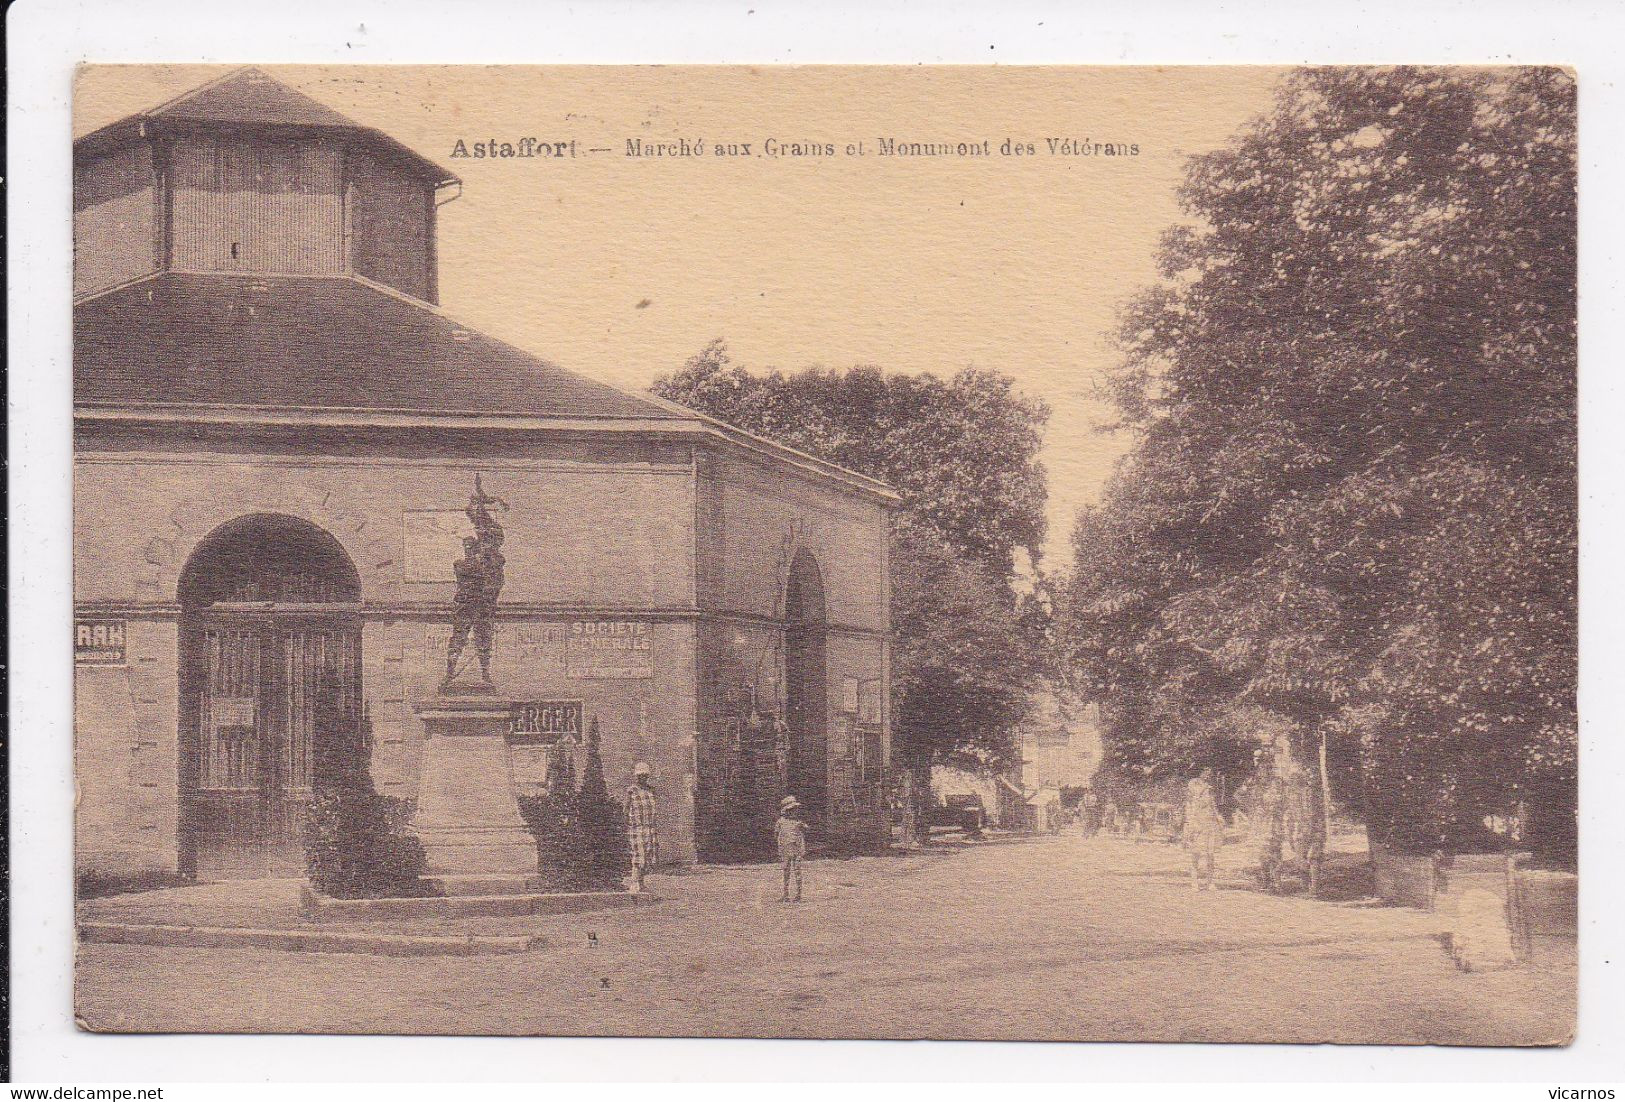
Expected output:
(316, 343)
(303, 347)
(251, 100)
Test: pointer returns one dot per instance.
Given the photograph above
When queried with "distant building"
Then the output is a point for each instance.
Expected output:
(1059, 749)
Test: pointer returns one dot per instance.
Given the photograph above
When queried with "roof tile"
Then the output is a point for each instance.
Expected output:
(251, 97)
(300, 342)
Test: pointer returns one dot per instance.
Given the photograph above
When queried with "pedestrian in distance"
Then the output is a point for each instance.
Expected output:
(791, 834)
(1203, 829)
(642, 836)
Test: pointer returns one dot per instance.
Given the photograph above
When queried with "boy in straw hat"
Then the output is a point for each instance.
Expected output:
(791, 833)
(641, 837)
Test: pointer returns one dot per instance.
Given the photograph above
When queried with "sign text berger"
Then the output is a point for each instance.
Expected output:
(544, 722)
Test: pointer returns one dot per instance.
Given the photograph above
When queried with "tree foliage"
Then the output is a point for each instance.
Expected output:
(963, 662)
(1352, 499)
(603, 820)
(564, 852)
(358, 843)
(962, 453)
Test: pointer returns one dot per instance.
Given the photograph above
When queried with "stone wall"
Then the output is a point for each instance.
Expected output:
(1545, 913)
(1408, 879)
(580, 534)
(605, 539)
(115, 219)
(752, 520)
(639, 536)
(125, 757)
(768, 514)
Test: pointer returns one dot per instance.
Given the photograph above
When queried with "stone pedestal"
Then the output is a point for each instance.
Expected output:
(467, 817)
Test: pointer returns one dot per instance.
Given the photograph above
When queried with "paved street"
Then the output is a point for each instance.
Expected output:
(1052, 938)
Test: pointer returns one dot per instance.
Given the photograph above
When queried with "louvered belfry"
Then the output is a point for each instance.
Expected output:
(247, 175)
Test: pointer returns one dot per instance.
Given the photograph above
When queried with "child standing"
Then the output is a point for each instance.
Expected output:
(791, 833)
(1204, 829)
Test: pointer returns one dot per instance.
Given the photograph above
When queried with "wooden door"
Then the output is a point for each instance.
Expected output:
(224, 811)
(309, 655)
(251, 758)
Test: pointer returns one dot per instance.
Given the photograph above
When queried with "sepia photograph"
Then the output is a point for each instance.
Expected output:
(964, 553)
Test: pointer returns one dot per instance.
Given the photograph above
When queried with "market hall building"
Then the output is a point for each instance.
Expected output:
(276, 433)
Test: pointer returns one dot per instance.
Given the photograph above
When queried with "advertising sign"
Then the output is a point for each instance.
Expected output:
(543, 722)
(98, 642)
(609, 649)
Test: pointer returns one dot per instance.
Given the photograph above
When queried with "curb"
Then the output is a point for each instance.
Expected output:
(320, 908)
(301, 941)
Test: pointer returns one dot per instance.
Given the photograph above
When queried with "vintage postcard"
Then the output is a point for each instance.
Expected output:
(1076, 554)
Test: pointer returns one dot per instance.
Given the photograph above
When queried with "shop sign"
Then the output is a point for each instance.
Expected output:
(232, 711)
(98, 642)
(544, 722)
(609, 649)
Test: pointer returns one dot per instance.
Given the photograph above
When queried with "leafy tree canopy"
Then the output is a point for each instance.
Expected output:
(962, 453)
(1352, 499)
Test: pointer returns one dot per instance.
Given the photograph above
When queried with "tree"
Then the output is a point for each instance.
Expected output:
(961, 672)
(564, 854)
(357, 842)
(962, 453)
(1352, 499)
(603, 820)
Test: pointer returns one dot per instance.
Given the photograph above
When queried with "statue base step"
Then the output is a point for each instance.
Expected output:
(492, 850)
(464, 687)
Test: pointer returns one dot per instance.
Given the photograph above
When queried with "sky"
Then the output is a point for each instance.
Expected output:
(622, 267)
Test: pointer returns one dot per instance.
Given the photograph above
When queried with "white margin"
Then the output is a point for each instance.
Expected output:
(47, 38)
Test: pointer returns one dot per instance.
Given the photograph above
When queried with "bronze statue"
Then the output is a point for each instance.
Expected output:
(479, 576)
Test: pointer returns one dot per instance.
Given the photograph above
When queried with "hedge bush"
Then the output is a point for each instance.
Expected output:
(603, 821)
(580, 832)
(358, 844)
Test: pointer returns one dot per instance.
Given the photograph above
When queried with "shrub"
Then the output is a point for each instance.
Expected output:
(603, 822)
(563, 857)
(357, 843)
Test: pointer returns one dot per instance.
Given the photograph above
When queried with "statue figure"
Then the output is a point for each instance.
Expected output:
(479, 576)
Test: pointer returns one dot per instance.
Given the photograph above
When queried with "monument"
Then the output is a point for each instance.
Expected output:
(479, 576)
(467, 817)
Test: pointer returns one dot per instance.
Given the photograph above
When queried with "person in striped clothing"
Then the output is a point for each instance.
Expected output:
(641, 834)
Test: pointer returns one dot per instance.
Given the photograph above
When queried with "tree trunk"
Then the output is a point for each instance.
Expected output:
(913, 802)
(1319, 863)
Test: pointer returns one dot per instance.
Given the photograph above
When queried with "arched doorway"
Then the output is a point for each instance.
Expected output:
(806, 687)
(270, 683)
